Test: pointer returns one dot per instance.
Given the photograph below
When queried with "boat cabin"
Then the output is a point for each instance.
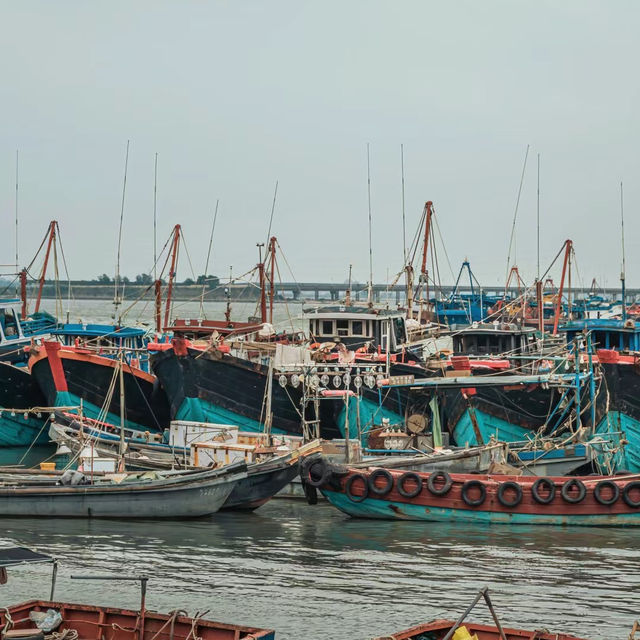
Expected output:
(613, 334)
(488, 339)
(357, 326)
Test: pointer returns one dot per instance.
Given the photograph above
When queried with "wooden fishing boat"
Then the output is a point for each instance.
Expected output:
(70, 376)
(188, 494)
(32, 619)
(441, 629)
(394, 494)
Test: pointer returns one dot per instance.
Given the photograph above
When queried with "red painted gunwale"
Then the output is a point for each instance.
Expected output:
(453, 499)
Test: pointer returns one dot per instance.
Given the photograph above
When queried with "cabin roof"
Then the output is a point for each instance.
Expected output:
(98, 330)
(11, 556)
(487, 329)
(5, 302)
(351, 312)
(602, 324)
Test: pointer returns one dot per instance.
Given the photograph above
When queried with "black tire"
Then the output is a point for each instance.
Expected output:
(549, 485)
(380, 473)
(349, 484)
(634, 504)
(509, 486)
(409, 475)
(606, 484)
(318, 473)
(434, 478)
(311, 493)
(473, 484)
(568, 486)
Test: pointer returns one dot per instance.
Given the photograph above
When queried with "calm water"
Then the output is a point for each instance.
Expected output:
(312, 573)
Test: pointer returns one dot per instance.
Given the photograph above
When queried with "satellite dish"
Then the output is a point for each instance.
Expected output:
(416, 423)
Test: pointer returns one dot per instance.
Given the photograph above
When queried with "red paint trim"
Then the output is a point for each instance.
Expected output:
(55, 365)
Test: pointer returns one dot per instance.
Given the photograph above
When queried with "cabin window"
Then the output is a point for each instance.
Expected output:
(327, 328)
(357, 328)
(343, 327)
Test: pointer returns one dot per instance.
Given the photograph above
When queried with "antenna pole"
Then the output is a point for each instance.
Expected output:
(370, 296)
(17, 261)
(206, 266)
(623, 273)
(515, 213)
(273, 208)
(116, 301)
(538, 217)
(155, 219)
(404, 232)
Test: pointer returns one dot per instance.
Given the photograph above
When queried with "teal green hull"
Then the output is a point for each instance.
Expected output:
(488, 425)
(391, 510)
(371, 414)
(198, 410)
(90, 410)
(617, 426)
(15, 431)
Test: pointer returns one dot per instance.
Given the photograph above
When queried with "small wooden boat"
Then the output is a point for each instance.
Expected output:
(188, 494)
(394, 494)
(31, 620)
(461, 630)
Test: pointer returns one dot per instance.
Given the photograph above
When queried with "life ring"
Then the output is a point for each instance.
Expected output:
(473, 484)
(509, 486)
(411, 493)
(634, 504)
(436, 477)
(349, 484)
(568, 486)
(603, 484)
(374, 488)
(549, 485)
(321, 475)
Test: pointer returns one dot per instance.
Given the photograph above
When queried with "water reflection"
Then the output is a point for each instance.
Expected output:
(310, 573)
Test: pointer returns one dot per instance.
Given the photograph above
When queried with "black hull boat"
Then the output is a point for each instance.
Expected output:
(19, 394)
(71, 376)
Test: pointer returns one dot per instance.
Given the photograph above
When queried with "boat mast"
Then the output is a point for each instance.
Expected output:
(121, 447)
(622, 273)
(272, 257)
(52, 237)
(206, 266)
(23, 292)
(172, 272)
(347, 295)
(567, 252)
(424, 272)
(263, 293)
(538, 220)
(116, 299)
(155, 219)
(370, 287)
(17, 260)
(404, 229)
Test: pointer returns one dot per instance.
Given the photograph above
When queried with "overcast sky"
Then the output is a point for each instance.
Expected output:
(236, 95)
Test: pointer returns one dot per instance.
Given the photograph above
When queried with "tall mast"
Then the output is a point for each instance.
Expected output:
(17, 260)
(424, 272)
(155, 219)
(263, 294)
(515, 213)
(568, 246)
(206, 266)
(370, 292)
(52, 238)
(272, 257)
(172, 272)
(538, 219)
(404, 231)
(623, 272)
(116, 299)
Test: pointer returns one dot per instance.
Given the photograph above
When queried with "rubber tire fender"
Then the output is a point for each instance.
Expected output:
(634, 504)
(434, 477)
(371, 481)
(504, 486)
(567, 486)
(325, 474)
(310, 493)
(349, 484)
(413, 492)
(471, 484)
(598, 489)
(535, 490)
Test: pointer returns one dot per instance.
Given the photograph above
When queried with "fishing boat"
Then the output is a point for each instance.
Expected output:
(87, 375)
(461, 630)
(188, 494)
(393, 494)
(35, 618)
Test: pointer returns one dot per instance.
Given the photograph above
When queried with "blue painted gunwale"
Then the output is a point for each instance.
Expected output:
(15, 431)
